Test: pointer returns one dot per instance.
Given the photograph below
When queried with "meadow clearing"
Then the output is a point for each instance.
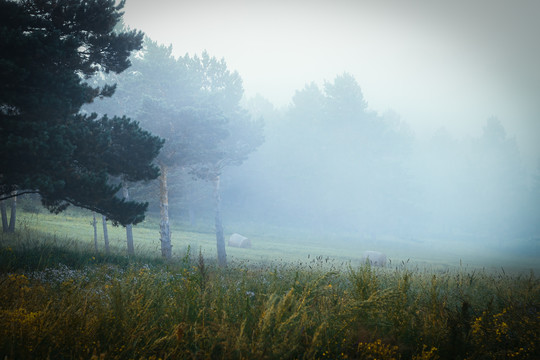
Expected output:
(292, 296)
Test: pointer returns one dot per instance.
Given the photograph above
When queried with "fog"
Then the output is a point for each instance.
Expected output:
(384, 120)
(325, 166)
(443, 63)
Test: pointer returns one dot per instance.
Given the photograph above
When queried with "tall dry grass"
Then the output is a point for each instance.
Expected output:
(61, 301)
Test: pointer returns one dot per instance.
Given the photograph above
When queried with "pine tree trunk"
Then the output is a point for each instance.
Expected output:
(220, 240)
(13, 217)
(164, 229)
(105, 234)
(129, 228)
(94, 224)
(129, 238)
(3, 210)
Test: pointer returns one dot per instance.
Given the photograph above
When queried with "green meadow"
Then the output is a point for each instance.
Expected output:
(273, 243)
(293, 295)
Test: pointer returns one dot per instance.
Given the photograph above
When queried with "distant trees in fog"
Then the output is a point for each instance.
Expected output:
(472, 186)
(332, 164)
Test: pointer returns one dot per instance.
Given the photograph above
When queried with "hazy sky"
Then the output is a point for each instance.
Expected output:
(447, 63)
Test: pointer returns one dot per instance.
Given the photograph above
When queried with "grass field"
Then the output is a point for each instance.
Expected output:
(272, 243)
(294, 295)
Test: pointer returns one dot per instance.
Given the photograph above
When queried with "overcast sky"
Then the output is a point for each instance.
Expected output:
(436, 63)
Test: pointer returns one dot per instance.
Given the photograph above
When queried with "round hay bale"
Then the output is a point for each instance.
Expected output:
(237, 240)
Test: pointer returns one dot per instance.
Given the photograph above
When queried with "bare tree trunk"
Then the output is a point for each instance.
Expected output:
(13, 216)
(220, 240)
(94, 224)
(164, 228)
(129, 228)
(3, 210)
(105, 234)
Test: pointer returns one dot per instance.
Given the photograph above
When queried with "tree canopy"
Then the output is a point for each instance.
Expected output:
(49, 49)
(191, 101)
(194, 103)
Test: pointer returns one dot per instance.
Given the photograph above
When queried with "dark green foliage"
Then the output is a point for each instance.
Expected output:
(48, 50)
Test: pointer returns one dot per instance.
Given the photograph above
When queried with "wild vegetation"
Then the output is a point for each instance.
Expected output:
(61, 299)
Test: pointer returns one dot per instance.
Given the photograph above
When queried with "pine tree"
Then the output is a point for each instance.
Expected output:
(49, 48)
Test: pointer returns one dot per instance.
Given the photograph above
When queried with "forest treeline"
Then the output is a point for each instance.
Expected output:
(327, 161)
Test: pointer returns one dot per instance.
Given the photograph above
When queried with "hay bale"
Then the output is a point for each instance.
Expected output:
(375, 258)
(237, 240)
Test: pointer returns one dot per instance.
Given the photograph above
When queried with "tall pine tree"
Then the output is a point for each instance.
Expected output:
(48, 49)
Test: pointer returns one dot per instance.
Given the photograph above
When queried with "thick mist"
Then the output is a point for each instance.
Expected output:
(428, 142)
(332, 166)
(331, 172)
(449, 64)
